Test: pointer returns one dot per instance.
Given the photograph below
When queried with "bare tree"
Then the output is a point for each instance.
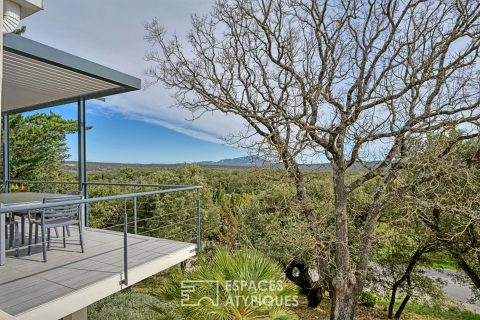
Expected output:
(354, 81)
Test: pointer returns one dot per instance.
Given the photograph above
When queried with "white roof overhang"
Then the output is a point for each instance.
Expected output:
(37, 76)
(29, 7)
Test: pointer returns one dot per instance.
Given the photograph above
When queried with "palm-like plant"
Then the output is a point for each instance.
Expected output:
(264, 294)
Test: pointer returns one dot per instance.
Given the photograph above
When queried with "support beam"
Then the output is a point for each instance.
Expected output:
(82, 159)
(6, 153)
(2, 235)
(79, 315)
(199, 237)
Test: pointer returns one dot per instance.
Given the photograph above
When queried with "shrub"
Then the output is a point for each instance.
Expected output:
(368, 299)
(222, 299)
(123, 306)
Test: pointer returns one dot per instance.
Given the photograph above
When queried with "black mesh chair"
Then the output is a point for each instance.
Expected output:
(60, 216)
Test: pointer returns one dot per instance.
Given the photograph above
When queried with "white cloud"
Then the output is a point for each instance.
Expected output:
(110, 32)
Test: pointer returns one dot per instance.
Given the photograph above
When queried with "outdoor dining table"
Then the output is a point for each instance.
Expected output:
(18, 199)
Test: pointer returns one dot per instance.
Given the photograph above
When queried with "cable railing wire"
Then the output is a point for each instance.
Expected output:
(134, 212)
(171, 236)
(119, 184)
(168, 213)
(167, 226)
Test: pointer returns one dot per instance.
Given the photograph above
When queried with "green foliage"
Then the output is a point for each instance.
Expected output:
(447, 203)
(160, 215)
(256, 209)
(38, 145)
(392, 255)
(273, 223)
(20, 30)
(367, 299)
(439, 260)
(224, 267)
(124, 306)
(166, 311)
(432, 310)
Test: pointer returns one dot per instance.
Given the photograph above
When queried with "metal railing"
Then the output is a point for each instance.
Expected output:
(135, 210)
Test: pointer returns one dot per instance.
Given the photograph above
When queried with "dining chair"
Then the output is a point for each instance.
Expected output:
(55, 217)
(23, 214)
(12, 234)
(52, 191)
(72, 193)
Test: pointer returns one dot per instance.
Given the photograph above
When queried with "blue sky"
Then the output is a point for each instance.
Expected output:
(138, 127)
(115, 138)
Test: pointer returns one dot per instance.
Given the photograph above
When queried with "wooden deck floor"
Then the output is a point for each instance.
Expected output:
(30, 288)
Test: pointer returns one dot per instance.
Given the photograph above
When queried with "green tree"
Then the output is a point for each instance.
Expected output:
(448, 202)
(38, 145)
(395, 271)
(170, 216)
(20, 30)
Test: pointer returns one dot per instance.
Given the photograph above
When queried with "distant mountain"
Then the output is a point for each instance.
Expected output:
(248, 161)
(239, 163)
(242, 162)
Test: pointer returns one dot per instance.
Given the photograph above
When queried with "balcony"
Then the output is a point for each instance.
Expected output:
(133, 241)
(143, 243)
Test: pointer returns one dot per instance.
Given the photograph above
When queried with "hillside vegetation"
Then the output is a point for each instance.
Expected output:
(255, 209)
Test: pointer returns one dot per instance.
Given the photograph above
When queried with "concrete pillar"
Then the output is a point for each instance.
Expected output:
(79, 315)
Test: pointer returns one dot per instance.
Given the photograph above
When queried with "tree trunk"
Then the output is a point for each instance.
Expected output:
(343, 306)
(314, 296)
(405, 300)
(393, 297)
(313, 290)
(465, 266)
(342, 252)
(398, 314)
(345, 297)
(406, 276)
(321, 260)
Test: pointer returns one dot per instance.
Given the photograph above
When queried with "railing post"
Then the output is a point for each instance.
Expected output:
(199, 240)
(2, 239)
(6, 153)
(82, 159)
(125, 246)
(135, 215)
